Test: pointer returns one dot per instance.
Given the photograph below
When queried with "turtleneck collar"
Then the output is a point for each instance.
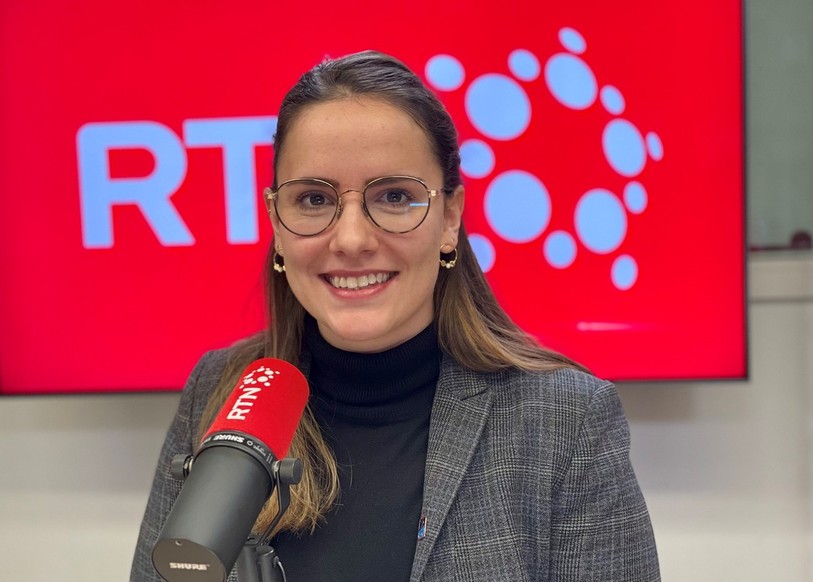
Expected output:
(378, 388)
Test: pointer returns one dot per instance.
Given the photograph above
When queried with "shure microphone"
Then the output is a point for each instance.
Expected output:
(231, 476)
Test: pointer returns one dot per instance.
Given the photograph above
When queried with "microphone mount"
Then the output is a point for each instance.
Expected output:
(257, 562)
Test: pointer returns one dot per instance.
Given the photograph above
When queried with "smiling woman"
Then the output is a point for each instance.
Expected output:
(440, 441)
(353, 143)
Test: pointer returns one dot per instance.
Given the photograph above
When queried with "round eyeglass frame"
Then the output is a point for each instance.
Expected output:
(270, 194)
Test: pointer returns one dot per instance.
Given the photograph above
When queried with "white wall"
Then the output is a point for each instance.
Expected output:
(74, 475)
(726, 467)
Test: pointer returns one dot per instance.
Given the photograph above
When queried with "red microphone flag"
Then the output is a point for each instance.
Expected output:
(266, 403)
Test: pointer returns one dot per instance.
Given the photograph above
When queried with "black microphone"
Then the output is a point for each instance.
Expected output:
(232, 474)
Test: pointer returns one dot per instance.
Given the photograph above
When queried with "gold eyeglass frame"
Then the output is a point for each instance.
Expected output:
(270, 195)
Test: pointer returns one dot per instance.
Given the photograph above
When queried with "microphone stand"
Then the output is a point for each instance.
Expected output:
(258, 562)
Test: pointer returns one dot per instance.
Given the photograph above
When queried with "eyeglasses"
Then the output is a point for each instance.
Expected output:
(395, 204)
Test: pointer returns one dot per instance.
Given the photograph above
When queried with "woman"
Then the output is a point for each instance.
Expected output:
(440, 441)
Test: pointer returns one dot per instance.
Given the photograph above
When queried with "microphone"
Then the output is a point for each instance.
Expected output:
(234, 473)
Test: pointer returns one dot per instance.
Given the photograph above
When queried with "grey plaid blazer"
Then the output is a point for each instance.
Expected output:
(528, 478)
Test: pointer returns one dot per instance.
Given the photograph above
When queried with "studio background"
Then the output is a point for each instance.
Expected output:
(726, 467)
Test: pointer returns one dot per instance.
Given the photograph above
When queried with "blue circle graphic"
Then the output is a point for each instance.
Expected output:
(560, 249)
(498, 107)
(624, 147)
(655, 146)
(571, 81)
(517, 206)
(476, 158)
(445, 72)
(635, 197)
(572, 40)
(524, 65)
(624, 272)
(612, 100)
(483, 250)
(601, 222)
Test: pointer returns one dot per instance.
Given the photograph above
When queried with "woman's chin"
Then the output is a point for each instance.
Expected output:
(359, 334)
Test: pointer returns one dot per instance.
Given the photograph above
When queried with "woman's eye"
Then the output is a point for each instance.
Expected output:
(313, 199)
(396, 197)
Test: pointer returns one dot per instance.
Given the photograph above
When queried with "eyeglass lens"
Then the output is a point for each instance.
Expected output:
(396, 204)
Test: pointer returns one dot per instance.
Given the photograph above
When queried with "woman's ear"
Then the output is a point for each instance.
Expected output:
(453, 214)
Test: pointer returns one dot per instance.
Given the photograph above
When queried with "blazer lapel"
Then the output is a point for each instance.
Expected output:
(461, 406)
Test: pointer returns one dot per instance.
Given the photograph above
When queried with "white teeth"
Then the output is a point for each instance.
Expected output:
(359, 282)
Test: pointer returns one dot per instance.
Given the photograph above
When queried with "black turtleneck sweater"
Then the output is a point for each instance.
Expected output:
(374, 412)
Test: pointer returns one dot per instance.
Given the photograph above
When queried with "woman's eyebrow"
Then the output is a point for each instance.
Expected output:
(333, 183)
(336, 185)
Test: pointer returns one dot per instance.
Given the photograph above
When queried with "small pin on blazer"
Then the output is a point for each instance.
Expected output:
(422, 528)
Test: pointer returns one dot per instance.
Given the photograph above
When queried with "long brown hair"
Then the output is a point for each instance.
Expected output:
(472, 327)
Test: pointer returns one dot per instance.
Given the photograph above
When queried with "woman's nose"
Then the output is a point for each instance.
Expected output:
(353, 233)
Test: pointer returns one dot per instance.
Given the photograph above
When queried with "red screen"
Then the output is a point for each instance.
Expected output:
(602, 149)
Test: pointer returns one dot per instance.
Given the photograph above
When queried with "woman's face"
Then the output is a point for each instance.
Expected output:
(350, 142)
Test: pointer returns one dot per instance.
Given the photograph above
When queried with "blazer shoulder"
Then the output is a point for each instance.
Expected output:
(556, 406)
(210, 367)
(563, 386)
(203, 380)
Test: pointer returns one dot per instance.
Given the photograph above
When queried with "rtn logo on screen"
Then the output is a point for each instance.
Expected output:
(496, 105)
